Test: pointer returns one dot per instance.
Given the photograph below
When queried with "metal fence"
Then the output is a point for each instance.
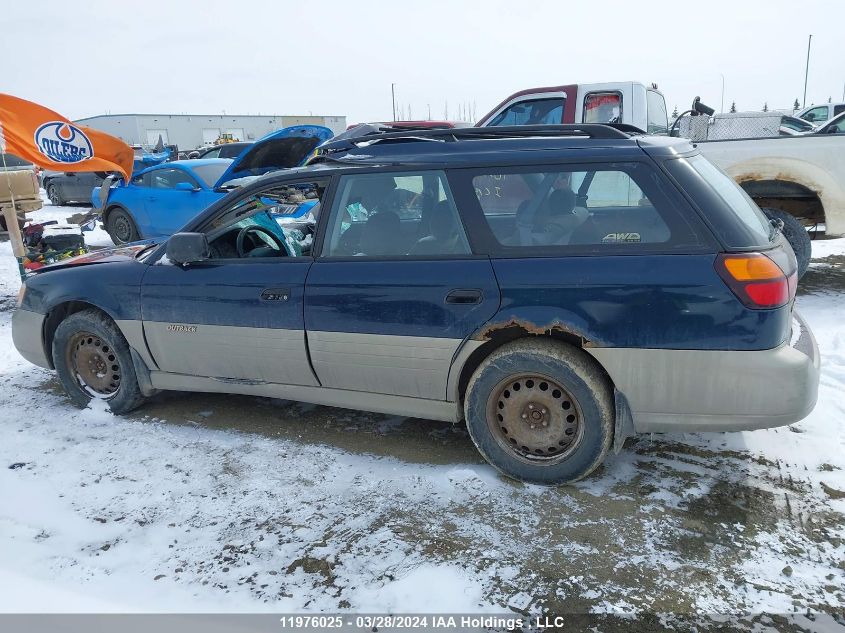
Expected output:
(730, 126)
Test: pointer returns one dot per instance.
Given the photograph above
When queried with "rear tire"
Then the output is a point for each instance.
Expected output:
(541, 411)
(121, 227)
(796, 235)
(93, 360)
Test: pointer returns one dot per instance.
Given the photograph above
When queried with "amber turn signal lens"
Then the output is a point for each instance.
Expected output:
(752, 267)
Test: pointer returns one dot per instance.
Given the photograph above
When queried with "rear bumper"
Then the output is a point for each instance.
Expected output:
(696, 390)
(27, 335)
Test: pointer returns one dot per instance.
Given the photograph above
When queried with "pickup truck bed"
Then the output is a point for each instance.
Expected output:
(804, 175)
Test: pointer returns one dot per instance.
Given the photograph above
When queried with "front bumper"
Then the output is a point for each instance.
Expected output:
(28, 337)
(698, 390)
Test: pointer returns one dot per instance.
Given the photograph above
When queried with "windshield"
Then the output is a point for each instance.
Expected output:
(210, 174)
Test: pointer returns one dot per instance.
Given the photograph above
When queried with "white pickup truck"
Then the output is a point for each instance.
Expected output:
(802, 175)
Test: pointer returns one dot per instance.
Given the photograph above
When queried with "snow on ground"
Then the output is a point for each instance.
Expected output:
(204, 502)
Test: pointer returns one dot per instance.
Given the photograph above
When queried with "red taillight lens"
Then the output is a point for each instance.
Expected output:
(756, 280)
(768, 293)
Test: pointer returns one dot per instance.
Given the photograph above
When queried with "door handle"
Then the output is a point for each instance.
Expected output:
(464, 297)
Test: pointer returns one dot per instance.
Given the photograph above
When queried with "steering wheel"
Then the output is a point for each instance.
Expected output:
(256, 228)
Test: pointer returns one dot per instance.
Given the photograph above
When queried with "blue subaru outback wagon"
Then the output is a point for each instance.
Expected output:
(559, 288)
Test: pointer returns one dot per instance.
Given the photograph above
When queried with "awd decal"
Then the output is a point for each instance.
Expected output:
(187, 329)
(613, 238)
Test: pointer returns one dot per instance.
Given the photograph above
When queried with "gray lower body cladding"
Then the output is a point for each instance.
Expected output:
(667, 390)
(414, 366)
(698, 390)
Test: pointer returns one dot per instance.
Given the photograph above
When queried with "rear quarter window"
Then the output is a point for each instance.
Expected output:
(731, 212)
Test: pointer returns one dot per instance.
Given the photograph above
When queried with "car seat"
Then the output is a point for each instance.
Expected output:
(380, 234)
(444, 235)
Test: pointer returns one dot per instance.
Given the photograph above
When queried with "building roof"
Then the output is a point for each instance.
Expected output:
(233, 116)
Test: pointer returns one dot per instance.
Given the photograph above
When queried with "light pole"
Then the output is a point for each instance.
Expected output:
(393, 98)
(722, 109)
(807, 70)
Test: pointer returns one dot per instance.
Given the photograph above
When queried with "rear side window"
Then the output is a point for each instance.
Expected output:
(532, 112)
(734, 196)
(816, 115)
(620, 207)
(657, 119)
(603, 107)
(169, 178)
(838, 109)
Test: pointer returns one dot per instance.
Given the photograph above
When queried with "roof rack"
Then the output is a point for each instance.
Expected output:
(590, 130)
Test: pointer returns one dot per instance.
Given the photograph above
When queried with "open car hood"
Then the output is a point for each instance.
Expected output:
(282, 149)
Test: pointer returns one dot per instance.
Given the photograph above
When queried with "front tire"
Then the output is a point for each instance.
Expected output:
(121, 227)
(55, 196)
(93, 360)
(540, 411)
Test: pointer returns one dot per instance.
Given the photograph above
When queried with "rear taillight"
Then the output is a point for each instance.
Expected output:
(756, 280)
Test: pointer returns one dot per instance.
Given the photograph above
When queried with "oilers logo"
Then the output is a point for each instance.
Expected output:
(63, 142)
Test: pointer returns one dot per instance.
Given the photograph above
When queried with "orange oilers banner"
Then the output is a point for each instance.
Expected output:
(49, 140)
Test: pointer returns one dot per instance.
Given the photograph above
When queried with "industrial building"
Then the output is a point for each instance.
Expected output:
(189, 131)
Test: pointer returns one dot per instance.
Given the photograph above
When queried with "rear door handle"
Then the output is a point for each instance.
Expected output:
(464, 296)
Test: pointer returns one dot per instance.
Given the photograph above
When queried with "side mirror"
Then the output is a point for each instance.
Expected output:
(185, 186)
(187, 248)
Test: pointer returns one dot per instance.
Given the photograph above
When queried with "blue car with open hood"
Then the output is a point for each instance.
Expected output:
(159, 200)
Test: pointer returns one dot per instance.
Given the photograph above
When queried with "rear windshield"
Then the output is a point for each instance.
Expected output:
(211, 173)
(755, 223)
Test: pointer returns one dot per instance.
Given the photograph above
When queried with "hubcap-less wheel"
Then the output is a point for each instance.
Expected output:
(54, 196)
(534, 418)
(122, 228)
(94, 365)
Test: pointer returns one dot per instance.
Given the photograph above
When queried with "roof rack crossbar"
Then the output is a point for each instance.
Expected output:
(591, 130)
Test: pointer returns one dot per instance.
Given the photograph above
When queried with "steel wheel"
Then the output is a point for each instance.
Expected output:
(535, 419)
(94, 365)
(121, 227)
(53, 194)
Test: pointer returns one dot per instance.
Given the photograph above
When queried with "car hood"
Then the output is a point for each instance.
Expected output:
(282, 149)
(102, 256)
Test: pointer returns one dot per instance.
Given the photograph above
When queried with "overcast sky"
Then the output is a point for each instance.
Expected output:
(332, 57)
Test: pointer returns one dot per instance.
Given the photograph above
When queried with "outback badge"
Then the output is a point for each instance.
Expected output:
(178, 327)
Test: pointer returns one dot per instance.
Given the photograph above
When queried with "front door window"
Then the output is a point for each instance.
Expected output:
(395, 215)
